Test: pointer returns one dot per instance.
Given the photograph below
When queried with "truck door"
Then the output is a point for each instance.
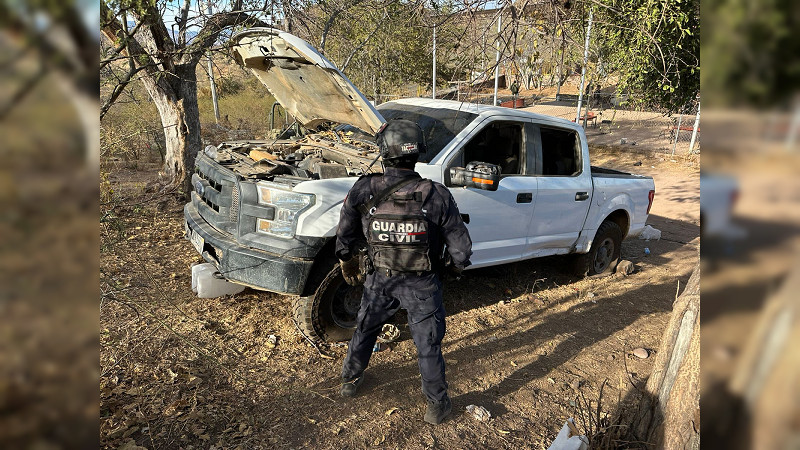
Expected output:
(564, 190)
(498, 221)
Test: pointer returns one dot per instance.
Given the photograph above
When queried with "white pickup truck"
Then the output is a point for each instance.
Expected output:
(266, 212)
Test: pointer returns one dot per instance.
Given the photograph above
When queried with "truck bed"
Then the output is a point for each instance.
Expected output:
(603, 172)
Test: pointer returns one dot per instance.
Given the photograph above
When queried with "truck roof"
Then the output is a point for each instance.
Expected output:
(481, 110)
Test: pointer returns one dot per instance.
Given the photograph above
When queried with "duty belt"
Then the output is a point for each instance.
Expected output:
(392, 273)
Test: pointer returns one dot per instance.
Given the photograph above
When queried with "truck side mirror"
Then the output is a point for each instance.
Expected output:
(477, 174)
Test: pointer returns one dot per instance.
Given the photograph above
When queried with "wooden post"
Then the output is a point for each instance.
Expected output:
(669, 414)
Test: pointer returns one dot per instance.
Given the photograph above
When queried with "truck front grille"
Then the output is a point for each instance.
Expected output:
(234, 211)
(216, 188)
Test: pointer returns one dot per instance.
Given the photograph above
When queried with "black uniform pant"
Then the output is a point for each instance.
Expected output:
(421, 296)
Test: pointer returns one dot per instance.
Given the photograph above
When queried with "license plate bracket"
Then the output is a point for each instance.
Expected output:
(197, 241)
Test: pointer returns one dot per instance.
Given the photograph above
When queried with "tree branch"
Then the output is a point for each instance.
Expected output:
(211, 31)
(361, 45)
(118, 88)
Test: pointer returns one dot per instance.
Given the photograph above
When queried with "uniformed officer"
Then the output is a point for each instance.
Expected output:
(405, 222)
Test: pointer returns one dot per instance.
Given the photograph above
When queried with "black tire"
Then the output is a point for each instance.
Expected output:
(605, 252)
(329, 314)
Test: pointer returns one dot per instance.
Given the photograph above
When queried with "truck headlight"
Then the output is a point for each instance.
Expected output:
(288, 205)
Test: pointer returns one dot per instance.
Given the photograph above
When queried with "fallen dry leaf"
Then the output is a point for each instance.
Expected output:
(391, 411)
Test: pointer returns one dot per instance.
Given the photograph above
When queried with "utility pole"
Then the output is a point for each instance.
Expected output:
(583, 71)
(434, 60)
(497, 59)
(211, 75)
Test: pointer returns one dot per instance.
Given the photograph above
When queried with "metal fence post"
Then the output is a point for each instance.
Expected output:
(677, 132)
(211, 76)
(434, 61)
(497, 59)
(585, 61)
(694, 131)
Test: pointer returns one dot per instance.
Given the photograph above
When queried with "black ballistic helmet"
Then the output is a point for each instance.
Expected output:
(400, 139)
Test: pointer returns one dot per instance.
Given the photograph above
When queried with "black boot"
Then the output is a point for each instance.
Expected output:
(349, 388)
(437, 411)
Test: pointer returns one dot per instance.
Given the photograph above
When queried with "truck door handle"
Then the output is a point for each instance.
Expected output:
(525, 197)
(581, 196)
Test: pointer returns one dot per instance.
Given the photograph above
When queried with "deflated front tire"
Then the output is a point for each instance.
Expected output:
(330, 314)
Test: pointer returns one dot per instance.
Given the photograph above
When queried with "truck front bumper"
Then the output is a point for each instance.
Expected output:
(245, 265)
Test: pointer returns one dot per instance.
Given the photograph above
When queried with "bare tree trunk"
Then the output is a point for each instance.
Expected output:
(176, 102)
(669, 414)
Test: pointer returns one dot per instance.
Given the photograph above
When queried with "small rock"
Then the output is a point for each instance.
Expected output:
(492, 338)
(501, 303)
(641, 353)
(551, 380)
(625, 268)
(272, 341)
(576, 384)
(590, 295)
(637, 163)
(480, 413)
(611, 357)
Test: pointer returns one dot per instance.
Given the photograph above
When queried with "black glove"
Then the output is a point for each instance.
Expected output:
(454, 271)
(351, 270)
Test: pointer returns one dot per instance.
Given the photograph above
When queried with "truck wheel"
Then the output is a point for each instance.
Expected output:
(330, 313)
(605, 251)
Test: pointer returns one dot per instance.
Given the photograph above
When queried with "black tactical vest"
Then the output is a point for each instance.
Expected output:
(398, 231)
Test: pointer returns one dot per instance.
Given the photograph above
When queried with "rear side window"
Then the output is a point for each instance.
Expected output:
(560, 152)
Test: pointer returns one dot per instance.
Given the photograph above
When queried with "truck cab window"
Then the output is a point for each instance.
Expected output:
(499, 143)
(559, 152)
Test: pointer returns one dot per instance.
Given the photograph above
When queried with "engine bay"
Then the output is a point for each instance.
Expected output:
(323, 155)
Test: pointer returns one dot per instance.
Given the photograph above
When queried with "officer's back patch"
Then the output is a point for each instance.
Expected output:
(391, 230)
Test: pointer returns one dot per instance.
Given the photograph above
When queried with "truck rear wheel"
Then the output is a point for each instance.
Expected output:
(330, 313)
(605, 252)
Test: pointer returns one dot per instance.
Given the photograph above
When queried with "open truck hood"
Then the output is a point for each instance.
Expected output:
(306, 84)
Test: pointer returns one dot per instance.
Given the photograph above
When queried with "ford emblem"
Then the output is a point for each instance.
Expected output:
(198, 186)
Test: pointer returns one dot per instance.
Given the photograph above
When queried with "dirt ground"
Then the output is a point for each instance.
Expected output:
(527, 341)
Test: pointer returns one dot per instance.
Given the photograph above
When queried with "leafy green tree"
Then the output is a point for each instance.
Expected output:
(652, 47)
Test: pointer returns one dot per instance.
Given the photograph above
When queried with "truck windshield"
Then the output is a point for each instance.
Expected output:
(439, 125)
